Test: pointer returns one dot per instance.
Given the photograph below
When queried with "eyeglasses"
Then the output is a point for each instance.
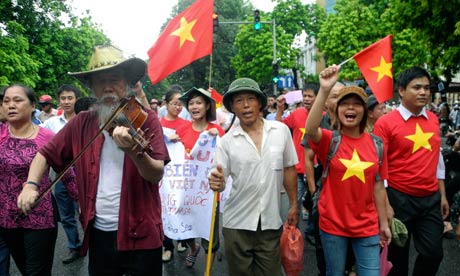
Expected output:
(153, 102)
(175, 104)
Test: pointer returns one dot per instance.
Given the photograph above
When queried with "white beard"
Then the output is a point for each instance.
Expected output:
(107, 105)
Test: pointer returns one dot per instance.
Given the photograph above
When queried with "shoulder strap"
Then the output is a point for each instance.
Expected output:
(378, 143)
(333, 147)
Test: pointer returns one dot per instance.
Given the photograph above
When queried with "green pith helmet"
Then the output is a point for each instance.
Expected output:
(243, 85)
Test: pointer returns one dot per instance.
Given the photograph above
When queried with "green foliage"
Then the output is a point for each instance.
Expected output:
(16, 64)
(38, 48)
(254, 58)
(296, 18)
(198, 73)
(355, 26)
(424, 34)
(438, 22)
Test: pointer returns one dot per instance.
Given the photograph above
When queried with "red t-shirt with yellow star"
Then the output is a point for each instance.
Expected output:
(296, 122)
(413, 150)
(346, 203)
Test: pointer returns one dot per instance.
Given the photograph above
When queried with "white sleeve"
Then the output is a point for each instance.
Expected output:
(441, 170)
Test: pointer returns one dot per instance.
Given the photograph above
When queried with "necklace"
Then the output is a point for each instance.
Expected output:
(17, 137)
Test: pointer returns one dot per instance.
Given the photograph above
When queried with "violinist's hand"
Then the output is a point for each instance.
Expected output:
(216, 179)
(122, 138)
(27, 198)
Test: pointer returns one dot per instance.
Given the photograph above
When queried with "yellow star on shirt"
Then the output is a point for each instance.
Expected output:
(185, 31)
(384, 69)
(355, 167)
(420, 139)
(302, 129)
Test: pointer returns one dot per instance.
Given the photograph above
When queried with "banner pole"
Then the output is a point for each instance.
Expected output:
(211, 235)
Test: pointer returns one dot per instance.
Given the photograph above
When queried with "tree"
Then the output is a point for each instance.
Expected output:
(254, 56)
(357, 24)
(48, 47)
(198, 73)
(439, 23)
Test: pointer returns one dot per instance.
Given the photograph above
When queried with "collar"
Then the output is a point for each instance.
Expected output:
(62, 118)
(406, 114)
(267, 125)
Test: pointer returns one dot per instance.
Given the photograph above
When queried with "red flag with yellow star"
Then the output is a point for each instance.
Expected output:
(186, 38)
(375, 63)
(217, 97)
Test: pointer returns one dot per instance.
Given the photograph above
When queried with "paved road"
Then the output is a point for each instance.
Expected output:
(449, 267)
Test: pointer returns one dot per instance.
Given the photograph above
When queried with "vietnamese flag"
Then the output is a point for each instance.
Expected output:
(375, 63)
(217, 97)
(186, 38)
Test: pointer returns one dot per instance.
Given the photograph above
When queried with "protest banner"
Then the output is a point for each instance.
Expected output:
(186, 199)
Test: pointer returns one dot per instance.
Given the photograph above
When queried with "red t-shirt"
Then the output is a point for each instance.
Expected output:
(189, 136)
(296, 122)
(413, 150)
(346, 203)
(175, 124)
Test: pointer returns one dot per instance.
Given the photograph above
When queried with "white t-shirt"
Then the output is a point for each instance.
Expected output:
(109, 186)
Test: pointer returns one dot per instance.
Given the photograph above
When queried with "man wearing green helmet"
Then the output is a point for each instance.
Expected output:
(260, 157)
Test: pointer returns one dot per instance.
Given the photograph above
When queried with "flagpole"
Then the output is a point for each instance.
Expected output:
(211, 235)
(210, 71)
(345, 61)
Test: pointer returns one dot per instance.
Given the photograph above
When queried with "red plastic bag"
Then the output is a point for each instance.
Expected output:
(385, 265)
(291, 245)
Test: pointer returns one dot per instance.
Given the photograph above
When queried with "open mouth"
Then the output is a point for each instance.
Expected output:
(350, 117)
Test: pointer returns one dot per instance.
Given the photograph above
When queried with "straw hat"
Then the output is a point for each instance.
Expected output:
(347, 90)
(106, 57)
(211, 113)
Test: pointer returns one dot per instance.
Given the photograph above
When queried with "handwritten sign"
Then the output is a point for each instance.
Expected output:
(186, 199)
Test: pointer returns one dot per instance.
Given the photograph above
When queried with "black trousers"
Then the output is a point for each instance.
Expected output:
(106, 260)
(423, 219)
(32, 250)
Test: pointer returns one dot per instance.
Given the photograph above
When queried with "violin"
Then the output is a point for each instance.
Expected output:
(132, 116)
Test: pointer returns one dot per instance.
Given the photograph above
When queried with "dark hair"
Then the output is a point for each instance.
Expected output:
(195, 94)
(362, 124)
(409, 74)
(173, 90)
(84, 104)
(68, 87)
(30, 93)
(313, 86)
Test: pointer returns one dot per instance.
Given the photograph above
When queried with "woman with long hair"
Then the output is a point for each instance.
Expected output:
(170, 123)
(352, 200)
(202, 108)
(30, 237)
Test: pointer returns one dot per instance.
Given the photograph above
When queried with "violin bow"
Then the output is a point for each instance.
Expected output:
(112, 117)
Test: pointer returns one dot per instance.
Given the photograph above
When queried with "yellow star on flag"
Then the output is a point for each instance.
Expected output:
(185, 31)
(302, 129)
(384, 69)
(420, 139)
(355, 167)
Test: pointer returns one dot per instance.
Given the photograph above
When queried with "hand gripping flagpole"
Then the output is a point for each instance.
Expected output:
(211, 234)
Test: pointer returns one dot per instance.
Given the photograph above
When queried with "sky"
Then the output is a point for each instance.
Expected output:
(134, 25)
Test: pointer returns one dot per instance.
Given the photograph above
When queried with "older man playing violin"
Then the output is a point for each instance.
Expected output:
(117, 182)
